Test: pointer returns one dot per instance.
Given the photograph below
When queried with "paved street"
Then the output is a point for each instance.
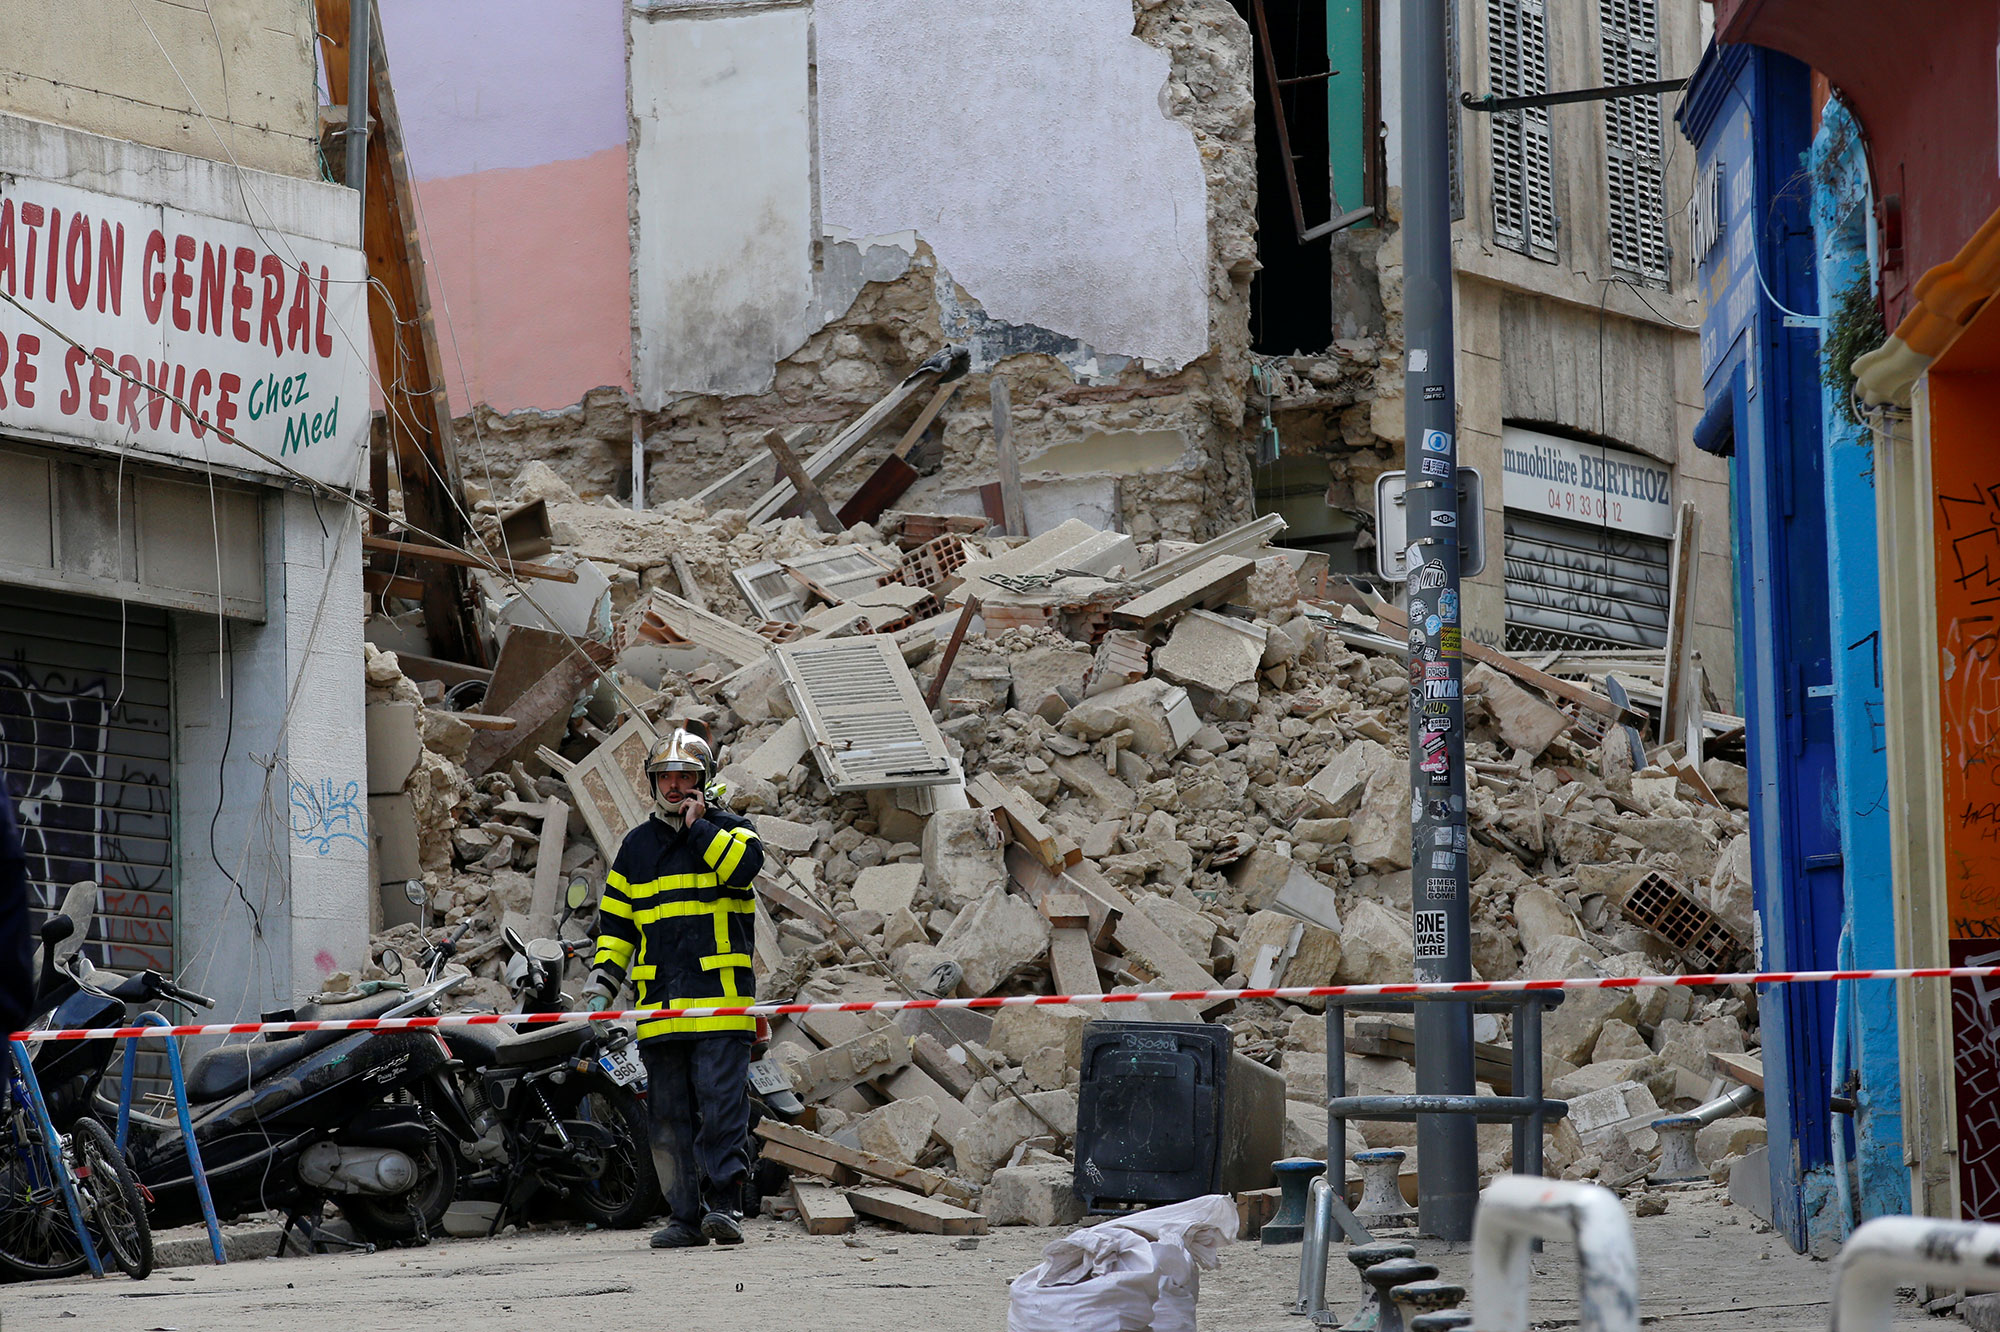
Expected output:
(1705, 1267)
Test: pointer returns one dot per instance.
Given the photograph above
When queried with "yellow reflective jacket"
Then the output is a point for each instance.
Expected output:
(676, 917)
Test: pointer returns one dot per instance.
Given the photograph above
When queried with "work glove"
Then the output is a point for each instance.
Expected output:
(599, 992)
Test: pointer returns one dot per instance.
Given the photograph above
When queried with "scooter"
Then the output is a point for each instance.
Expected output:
(558, 1110)
(366, 1120)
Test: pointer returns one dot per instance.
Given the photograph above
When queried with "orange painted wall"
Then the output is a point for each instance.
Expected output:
(530, 276)
(1966, 472)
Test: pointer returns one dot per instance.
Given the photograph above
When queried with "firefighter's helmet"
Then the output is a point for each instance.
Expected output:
(683, 749)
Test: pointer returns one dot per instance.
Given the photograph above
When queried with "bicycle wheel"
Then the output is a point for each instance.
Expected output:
(37, 1239)
(112, 1206)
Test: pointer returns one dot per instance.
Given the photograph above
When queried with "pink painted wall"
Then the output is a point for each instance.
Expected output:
(515, 117)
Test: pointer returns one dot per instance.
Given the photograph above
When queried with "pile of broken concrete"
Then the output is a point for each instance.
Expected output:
(1188, 780)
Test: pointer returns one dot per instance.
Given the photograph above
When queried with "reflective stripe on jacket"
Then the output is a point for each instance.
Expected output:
(676, 919)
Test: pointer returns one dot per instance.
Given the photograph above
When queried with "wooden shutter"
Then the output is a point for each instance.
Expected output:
(1524, 207)
(1633, 140)
(864, 718)
(839, 573)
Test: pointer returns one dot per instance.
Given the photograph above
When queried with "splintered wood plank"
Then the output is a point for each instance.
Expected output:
(824, 1211)
(787, 1155)
(880, 1167)
(1746, 1069)
(914, 1212)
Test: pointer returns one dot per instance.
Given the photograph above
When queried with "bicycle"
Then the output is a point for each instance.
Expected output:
(38, 1237)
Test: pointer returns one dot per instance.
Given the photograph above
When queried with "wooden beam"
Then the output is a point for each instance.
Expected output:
(823, 1210)
(786, 1154)
(548, 868)
(924, 1181)
(406, 346)
(844, 445)
(410, 550)
(376, 583)
(1567, 690)
(1013, 504)
(690, 590)
(1677, 696)
(916, 1213)
(788, 462)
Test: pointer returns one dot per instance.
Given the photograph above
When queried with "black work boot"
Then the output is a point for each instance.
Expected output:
(680, 1235)
(723, 1226)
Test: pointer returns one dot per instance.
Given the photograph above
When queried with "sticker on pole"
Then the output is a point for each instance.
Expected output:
(1436, 441)
(1430, 934)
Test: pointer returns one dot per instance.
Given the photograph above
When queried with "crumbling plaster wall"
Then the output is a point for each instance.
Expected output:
(159, 72)
(1095, 421)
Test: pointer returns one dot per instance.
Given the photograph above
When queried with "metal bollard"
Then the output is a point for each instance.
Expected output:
(1365, 1256)
(1893, 1251)
(1385, 1277)
(1295, 1176)
(1381, 1189)
(1515, 1211)
(1418, 1298)
(1678, 1163)
(1447, 1320)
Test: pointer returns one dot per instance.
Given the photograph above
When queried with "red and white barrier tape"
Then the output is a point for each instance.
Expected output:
(1017, 1001)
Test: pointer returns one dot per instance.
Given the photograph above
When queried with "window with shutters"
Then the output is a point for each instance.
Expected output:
(1524, 196)
(1633, 140)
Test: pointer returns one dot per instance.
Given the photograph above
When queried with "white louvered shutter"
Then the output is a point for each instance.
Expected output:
(1524, 200)
(863, 715)
(1634, 140)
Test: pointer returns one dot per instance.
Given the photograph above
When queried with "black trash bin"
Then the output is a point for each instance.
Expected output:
(1150, 1113)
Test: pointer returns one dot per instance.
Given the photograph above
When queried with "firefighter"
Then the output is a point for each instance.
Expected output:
(675, 920)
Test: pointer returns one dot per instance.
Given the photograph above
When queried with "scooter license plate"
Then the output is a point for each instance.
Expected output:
(623, 1066)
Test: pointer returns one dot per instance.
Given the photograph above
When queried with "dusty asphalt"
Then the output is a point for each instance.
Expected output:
(1705, 1267)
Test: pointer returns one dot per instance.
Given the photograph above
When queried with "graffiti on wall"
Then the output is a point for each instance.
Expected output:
(1967, 555)
(88, 812)
(325, 815)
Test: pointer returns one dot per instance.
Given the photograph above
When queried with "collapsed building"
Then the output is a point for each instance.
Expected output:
(1147, 766)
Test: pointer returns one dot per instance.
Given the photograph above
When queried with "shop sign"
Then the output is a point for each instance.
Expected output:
(255, 331)
(1586, 483)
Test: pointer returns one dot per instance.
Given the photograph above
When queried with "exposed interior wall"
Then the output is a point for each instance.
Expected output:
(1060, 200)
(110, 67)
(524, 200)
(869, 307)
(723, 181)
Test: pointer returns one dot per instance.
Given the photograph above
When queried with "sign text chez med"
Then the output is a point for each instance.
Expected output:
(261, 333)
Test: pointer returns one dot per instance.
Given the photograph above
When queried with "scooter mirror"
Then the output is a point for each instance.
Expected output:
(413, 891)
(514, 940)
(57, 928)
(577, 894)
(391, 962)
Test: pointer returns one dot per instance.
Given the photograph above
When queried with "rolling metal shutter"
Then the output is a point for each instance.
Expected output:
(1583, 586)
(86, 744)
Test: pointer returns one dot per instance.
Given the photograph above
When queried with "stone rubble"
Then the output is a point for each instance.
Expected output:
(1247, 795)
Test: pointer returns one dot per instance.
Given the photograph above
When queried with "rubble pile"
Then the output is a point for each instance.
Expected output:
(1169, 767)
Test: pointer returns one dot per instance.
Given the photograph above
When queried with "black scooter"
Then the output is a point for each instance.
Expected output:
(367, 1120)
(558, 1110)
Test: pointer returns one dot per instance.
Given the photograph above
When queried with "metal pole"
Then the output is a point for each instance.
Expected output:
(1447, 1145)
(358, 68)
